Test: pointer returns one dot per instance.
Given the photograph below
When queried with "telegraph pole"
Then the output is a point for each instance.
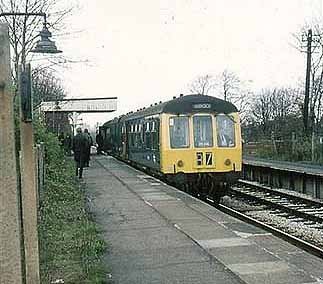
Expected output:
(10, 235)
(307, 81)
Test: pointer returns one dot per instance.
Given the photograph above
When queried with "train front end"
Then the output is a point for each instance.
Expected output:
(201, 145)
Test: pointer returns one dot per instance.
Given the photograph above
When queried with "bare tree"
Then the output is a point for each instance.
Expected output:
(276, 110)
(226, 85)
(23, 30)
(234, 90)
(202, 85)
(230, 83)
(46, 87)
(261, 111)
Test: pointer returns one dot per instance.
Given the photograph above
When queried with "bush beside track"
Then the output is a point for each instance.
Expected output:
(70, 245)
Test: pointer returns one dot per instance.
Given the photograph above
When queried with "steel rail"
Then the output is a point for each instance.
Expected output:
(292, 209)
(287, 194)
(312, 249)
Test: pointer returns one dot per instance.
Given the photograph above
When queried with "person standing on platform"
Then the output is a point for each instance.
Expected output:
(88, 153)
(61, 138)
(99, 141)
(67, 144)
(80, 147)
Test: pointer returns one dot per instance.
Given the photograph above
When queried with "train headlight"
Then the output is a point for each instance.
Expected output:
(227, 162)
(180, 163)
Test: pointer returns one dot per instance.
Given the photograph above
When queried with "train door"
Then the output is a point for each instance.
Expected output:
(155, 137)
(123, 140)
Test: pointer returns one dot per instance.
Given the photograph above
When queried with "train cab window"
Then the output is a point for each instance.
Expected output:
(179, 132)
(203, 134)
(225, 131)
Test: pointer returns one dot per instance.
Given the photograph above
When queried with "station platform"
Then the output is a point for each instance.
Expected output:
(158, 234)
(297, 167)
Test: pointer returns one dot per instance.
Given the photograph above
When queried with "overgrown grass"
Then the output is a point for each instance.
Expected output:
(299, 151)
(70, 243)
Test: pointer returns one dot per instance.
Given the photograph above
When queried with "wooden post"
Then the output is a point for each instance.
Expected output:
(36, 157)
(274, 142)
(41, 167)
(10, 244)
(293, 143)
(29, 201)
(307, 81)
(313, 146)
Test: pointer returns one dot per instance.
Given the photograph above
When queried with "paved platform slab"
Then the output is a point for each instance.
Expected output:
(157, 234)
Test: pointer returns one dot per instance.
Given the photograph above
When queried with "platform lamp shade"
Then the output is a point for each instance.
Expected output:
(45, 45)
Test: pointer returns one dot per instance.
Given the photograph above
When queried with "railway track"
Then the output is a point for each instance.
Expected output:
(280, 232)
(309, 210)
(294, 218)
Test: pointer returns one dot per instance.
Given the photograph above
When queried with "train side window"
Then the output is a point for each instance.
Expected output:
(155, 135)
(179, 132)
(131, 139)
(202, 126)
(147, 127)
(147, 136)
(225, 131)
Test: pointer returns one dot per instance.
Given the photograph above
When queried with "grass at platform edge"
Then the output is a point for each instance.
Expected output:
(70, 243)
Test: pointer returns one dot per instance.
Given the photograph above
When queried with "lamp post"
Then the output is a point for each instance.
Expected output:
(44, 45)
(27, 163)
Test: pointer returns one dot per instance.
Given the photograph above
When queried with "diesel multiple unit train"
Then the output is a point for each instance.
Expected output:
(193, 141)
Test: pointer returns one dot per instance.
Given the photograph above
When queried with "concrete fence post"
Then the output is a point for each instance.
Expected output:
(10, 238)
(29, 201)
(40, 170)
(41, 167)
(37, 171)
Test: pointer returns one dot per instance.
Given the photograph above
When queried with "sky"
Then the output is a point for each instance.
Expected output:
(147, 51)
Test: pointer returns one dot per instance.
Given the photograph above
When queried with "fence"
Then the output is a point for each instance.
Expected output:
(40, 169)
(295, 149)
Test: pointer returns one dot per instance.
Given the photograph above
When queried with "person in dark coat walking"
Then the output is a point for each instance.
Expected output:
(67, 144)
(80, 147)
(90, 140)
(61, 138)
(99, 141)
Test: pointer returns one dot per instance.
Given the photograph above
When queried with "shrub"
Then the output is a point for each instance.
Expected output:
(70, 246)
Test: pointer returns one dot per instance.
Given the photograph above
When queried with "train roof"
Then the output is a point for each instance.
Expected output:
(184, 105)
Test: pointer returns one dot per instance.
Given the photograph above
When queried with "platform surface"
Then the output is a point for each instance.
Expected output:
(157, 234)
(298, 167)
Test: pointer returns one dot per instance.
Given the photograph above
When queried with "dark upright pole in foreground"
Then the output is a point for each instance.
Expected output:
(307, 82)
(10, 245)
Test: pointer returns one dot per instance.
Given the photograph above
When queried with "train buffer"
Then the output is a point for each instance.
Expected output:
(157, 234)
